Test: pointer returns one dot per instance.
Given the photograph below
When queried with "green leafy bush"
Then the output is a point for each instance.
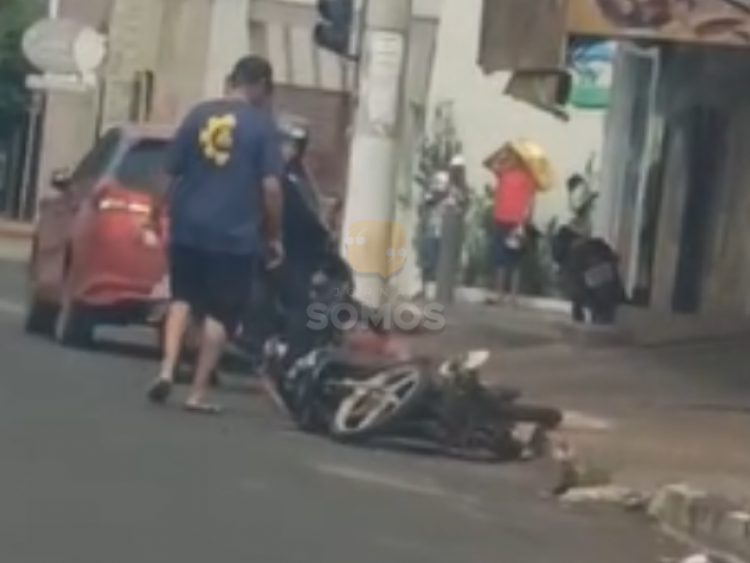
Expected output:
(15, 17)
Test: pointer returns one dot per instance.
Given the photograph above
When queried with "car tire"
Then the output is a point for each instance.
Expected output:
(40, 317)
(74, 326)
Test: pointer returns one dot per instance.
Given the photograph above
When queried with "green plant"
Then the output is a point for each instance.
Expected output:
(15, 17)
(582, 196)
(537, 274)
(477, 262)
(438, 146)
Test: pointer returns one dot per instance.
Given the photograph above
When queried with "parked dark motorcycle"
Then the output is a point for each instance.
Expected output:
(448, 406)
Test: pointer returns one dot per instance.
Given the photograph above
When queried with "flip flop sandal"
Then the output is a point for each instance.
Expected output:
(159, 391)
(202, 407)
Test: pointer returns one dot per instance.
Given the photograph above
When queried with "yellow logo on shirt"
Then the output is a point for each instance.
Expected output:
(216, 138)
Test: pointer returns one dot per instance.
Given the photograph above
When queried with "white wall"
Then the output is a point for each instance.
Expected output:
(486, 118)
(228, 40)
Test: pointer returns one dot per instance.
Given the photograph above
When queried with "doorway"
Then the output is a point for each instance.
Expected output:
(705, 131)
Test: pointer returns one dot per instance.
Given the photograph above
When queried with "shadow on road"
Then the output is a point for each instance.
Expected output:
(233, 363)
(132, 350)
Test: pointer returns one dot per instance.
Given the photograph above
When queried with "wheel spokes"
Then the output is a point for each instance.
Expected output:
(383, 393)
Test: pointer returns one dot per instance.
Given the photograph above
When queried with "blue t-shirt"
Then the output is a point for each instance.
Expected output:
(219, 157)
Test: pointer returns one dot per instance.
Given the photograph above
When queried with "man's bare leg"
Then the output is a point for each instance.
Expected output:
(175, 325)
(213, 339)
(175, 328)
(498, 289)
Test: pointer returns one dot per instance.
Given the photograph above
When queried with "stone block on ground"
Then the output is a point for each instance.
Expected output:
(15, 240)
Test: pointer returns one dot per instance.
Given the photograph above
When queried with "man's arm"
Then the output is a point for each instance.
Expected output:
(273, 202)
(531, 187)
(272, 170)
(490, 163)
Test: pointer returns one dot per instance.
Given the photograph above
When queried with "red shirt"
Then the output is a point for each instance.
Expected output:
(514, 192)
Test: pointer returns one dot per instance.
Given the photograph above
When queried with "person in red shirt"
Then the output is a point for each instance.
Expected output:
(513, 196)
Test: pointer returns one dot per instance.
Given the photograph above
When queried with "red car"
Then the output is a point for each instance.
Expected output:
(92, 262)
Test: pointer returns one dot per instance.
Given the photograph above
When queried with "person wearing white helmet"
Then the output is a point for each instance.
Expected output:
(431, 211)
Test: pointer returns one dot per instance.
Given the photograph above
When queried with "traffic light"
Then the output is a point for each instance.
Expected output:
(334, 30)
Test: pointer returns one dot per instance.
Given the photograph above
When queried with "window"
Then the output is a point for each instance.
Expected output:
(142, 165)
(95, 164)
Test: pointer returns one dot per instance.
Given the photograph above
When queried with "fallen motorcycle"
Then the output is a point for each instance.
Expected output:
(448, 406)
(360, 399)
(312, 389)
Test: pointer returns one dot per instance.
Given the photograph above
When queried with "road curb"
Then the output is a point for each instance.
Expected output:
(711, 522)
(708, 522)
(15, 240)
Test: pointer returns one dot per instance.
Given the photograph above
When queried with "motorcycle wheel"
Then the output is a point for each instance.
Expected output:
(382, 401)
(547, 418)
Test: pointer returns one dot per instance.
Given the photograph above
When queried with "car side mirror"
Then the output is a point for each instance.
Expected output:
(60, 179)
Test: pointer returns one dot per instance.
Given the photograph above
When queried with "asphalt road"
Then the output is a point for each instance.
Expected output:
(89, 472)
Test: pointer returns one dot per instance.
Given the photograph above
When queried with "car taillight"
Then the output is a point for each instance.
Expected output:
(115, 204)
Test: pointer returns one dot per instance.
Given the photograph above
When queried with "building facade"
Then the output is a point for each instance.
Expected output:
(190, 46)
(675, 189)
(486, 118)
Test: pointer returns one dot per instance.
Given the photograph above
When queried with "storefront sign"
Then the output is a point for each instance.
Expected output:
(718, 22)
(61, 46)
(591, 70)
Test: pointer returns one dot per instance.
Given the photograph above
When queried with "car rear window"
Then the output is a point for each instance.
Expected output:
(141, 167)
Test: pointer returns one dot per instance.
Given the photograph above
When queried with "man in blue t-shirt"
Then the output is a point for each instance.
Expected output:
(225, 170)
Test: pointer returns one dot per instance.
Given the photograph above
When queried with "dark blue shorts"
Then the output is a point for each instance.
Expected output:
(214, 284)
(503, 256)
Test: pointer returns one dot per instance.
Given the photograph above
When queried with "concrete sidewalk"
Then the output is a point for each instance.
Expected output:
(645, 418)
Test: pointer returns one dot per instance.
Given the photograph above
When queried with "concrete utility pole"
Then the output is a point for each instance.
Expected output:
(449, 259)
(373, 163)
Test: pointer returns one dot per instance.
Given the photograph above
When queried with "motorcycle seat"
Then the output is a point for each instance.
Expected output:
(504, 394)
(363, 362)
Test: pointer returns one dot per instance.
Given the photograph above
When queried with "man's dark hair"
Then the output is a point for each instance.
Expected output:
(251, 70)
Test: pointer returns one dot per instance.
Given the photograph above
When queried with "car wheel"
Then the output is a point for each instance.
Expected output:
(40, 317)
(74, 327)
